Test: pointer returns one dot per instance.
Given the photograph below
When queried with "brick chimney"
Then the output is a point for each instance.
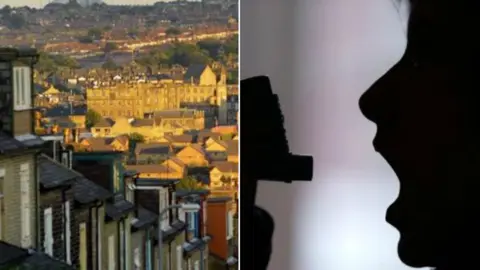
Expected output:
(76, 134)
(66, 136)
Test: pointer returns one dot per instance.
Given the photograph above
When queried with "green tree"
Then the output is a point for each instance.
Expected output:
(110, 65)
(65, 61)
(92, 117)
(187, 54)
(232, 77)
(172, 32)
(109, 47)
(85, 39)
(95, 33)
(45, 64)
(132, 32)
(16, 21)
(231, 45)
(212, 46)
(189, 183)
(6, 10)
(136, 137)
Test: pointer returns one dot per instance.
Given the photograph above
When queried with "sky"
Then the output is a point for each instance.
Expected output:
(41, 3)
(321, 56)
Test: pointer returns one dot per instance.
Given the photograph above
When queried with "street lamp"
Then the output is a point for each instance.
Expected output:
(186, 207)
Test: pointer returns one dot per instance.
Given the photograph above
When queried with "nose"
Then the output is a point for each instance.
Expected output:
(378, 102)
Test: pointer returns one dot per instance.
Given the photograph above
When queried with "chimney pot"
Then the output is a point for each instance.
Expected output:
(66, 136)
(76, 135)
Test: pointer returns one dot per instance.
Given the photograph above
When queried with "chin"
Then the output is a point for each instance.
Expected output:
(415, 252)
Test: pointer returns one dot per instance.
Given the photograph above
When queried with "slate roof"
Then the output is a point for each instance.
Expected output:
(104, 143)
(144, 218)
(198, 148)
(26, 259)
(155, 182)
(40, 261)
(219, 199)
(182, 193)
(193, 245)
(216, 156)
(54, 174)
(11, 253)
(175, 228)
(182, 113)
(65, 111)
(232, 147)
(104, 122)
(218, 140)
(152, 148)
(142, 123)
(118, 208)
(150, 168)
(86, 191)
(184, 138)
(226, 166)
(9, 144)
(206, 134)
(194, 72)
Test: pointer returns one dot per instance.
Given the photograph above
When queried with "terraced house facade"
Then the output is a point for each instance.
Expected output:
(68, 204)
(20, 229)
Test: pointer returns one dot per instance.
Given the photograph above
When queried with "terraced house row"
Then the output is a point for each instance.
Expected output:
(61, 209)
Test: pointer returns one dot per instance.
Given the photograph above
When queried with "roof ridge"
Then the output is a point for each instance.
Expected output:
(61, 164)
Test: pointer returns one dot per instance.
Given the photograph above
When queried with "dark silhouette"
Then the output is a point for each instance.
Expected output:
(265, 155)
(428, 130)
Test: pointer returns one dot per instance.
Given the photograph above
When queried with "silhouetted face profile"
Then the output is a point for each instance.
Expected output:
(427, 130)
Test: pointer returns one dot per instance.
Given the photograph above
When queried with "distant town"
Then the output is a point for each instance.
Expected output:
(118, 136)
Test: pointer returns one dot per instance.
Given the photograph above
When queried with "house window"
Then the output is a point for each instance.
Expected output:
(191, 221)
(179, 257)
(22, 88)
(111, 253)
(25, 205)
(229, 225)
(2, 211)
(83, 246)
(97, 130)
(107, 131)
(67, 232)
(48, 231)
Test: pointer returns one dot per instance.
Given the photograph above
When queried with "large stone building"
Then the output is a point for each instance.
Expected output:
(200, 85)
(154, 127)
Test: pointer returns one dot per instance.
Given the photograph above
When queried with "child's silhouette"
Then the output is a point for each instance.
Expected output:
(425, 108)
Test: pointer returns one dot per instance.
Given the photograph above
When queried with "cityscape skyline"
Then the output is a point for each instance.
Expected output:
(42, 3)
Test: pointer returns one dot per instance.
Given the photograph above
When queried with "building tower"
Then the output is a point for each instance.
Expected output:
(222, 106)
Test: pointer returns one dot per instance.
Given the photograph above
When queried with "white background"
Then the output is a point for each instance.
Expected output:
(321, 55)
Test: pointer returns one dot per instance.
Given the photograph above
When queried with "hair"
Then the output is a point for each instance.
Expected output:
(403, 8)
